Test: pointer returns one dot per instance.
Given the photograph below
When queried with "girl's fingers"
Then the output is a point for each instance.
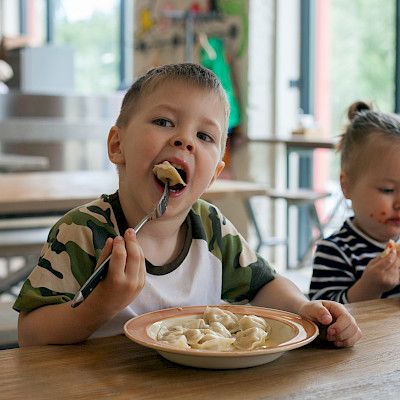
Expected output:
(391, 259)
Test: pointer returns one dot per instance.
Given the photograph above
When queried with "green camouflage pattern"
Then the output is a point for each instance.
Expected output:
(75, 242)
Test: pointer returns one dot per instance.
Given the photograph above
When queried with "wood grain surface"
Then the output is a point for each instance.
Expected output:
(41, 192)
(117, 368)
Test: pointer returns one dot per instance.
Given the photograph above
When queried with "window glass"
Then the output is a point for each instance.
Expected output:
(90, 27)
(363, 54)
(356, 48)
(354, 60)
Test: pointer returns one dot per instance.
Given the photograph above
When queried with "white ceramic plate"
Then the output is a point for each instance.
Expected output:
(288, 331)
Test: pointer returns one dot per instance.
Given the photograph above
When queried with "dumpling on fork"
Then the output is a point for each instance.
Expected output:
(168, 172)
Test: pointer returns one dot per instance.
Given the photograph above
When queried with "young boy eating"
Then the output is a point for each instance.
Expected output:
(192, 255)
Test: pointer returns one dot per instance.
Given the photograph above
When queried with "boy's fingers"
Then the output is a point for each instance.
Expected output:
(345, 338)
(105, 252)
(322, 314)
(134, 257)
(118, 257)
(335, 309)
(342, 330)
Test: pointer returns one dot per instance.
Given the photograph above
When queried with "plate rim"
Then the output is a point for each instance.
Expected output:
(292, 319)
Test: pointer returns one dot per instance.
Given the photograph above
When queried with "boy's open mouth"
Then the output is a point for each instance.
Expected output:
(171, 172)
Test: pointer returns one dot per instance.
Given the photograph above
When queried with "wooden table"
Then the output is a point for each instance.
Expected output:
(300, 142)
(45, 193)
(50, 192)
(30, 203)
(119, 369)
(19, 162)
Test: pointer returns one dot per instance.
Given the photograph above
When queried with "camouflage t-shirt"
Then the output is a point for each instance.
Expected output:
(215, 265)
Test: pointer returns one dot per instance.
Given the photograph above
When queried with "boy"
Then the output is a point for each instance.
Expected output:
(190, 256)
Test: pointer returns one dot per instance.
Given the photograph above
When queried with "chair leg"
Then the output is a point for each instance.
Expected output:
(317, 223)
(271, 241)
(252, 218)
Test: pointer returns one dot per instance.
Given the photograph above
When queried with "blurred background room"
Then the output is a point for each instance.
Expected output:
(290, 68)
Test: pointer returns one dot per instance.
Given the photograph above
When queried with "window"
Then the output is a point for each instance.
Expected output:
(355, 59)
(350, 55)
(91, 29)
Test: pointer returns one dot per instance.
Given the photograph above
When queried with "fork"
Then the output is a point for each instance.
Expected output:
(101, 272)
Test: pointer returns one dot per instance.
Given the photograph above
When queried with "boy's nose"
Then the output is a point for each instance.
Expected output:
(183, 142)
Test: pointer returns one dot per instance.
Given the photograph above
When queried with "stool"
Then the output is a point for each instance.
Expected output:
(8, 326)
(25, 243)
(293, 198)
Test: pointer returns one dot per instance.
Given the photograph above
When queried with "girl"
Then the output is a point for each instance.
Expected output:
(349, 265)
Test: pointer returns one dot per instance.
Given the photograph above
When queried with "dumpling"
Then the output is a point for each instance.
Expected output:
(225, 317)
(165, 330)
(196, 337)
(198, 323)
(167, 172)
(209, 335)
(176, 339)
(391, 244)
(217, 344)
(193, 336)
(250, 321)
(251, 338)
(219, 328)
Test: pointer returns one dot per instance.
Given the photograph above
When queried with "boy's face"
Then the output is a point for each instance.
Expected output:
(375, 191)
(178, 122)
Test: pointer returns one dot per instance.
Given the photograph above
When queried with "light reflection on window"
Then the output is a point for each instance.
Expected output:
(90, 27)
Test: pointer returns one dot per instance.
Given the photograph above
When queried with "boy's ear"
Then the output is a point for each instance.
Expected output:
(218, 170)
(115, 153)
(345, 184)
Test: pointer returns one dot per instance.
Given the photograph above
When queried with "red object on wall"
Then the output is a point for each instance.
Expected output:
(322, 106)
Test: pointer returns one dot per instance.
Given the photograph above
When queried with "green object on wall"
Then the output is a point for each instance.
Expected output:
(238, 8)
(221, 68)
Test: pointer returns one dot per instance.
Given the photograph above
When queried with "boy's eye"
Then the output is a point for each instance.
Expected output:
(205, 136)
(386, 190)
(163, 122)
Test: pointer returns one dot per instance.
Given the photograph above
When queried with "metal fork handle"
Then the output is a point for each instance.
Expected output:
(101, 272)
(139, 226)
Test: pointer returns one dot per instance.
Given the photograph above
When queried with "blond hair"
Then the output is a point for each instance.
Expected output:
(187, 72)
(364, 124)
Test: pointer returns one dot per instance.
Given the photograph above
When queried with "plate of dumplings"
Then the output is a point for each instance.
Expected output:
(221, 337)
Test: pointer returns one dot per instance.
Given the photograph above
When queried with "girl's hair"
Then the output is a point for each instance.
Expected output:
(192, 73)
(364, 123)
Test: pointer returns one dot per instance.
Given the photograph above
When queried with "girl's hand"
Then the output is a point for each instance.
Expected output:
(126, 273)
(382, 273)
(343, 330)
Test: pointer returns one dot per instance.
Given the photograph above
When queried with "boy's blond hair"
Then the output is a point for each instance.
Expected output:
(192, 73)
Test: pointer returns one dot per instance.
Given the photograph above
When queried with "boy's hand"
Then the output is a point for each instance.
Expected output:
(126, 273)
(382, 273)
(343, 330)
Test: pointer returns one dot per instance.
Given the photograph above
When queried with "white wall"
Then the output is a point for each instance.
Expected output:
(274, 60)
(274, 53)
(9, 23)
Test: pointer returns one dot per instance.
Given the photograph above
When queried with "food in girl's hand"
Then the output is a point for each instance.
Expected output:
(391, 244)
(168, 172)
(218, 330)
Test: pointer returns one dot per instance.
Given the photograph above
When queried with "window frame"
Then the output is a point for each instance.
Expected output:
(124, 42)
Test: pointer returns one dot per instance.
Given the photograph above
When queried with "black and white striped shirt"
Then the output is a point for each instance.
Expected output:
(339, 262)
